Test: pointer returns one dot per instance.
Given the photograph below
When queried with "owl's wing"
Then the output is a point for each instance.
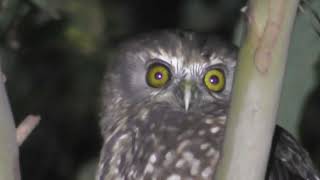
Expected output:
(289, 160)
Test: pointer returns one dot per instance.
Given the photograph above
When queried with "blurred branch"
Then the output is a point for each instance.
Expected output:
(306, 8)
(51, 7)
(9, 156)
(26, 127)
(8, 10)
(256, 92)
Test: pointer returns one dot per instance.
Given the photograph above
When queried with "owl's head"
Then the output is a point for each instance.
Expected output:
(186, 70)
(166, 98)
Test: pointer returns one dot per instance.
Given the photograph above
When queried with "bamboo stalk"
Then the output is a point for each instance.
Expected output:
(257, 88)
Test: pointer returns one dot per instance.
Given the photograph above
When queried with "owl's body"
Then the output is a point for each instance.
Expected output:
(165, 108)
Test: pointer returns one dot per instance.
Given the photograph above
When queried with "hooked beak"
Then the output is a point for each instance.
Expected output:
(187, 95)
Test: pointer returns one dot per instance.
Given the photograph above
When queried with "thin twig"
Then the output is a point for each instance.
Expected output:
(26, 127)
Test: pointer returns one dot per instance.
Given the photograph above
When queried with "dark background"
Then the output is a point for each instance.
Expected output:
(57, 52)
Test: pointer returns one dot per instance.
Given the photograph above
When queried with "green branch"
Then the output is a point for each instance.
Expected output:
(256, 92)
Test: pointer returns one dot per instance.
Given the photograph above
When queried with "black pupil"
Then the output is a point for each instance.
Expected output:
(214, 79)
(158, 75)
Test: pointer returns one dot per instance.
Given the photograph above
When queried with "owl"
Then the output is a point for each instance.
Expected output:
(165, 102)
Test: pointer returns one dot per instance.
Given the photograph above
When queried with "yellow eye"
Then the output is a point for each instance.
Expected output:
(158, 75)
(214, 80)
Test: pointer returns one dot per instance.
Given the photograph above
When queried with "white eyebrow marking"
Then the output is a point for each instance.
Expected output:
(175, 61)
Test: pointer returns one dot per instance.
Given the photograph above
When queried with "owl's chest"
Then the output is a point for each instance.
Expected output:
(163, 143)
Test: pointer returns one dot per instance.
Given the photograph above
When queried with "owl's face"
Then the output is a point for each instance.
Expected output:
(165, 104)
(183, 70)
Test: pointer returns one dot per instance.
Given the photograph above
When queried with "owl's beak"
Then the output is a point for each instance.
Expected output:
(187, 95)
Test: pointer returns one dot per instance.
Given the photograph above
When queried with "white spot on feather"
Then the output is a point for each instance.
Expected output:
(211, 152)
(204, 146)
(153, 158)
(168, 158)
(187, 156)
(182, 145)
(209, 121)
(214, 130)
(180, 163)
(195, 167)
(206, 172)
(149, 168)
(174, 177)
(201, 132)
